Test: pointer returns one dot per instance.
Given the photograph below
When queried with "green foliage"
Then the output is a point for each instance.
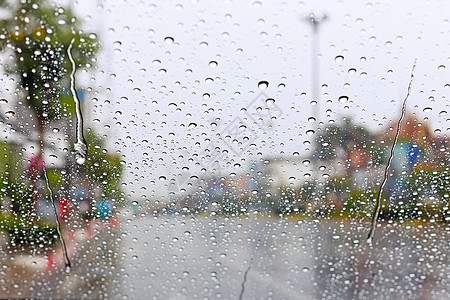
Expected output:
(359, 203)
(103, 167)
(12, 185)
(21, 231)
(341, 135)
(39, 34)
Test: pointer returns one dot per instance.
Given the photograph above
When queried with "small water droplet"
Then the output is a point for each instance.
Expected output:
(206, 96)
(213, 64)
(270, 101)
(441, 67)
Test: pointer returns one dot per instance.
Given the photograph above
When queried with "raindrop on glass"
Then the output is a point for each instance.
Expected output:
(343, 99)
(339, 58)
(263, 85)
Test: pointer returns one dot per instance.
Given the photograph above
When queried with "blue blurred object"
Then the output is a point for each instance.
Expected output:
(104, 208)
(413, 154)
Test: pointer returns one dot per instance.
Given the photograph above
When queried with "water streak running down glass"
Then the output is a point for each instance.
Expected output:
(80, 147)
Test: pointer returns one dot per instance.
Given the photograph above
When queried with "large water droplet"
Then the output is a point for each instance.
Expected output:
(343, 99)
(169, 40)
(263, 84)
(339, 58)
(9, 114)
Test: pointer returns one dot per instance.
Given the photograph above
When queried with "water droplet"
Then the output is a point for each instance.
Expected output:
(270, 101)
(311, 119)
(281, 86)
(441, 67)
(257, 4)
(213, 64)
(169, 40)
(206, 96)
(306, 162)
(3, 101)
(339, 58)
(343, 99)
(9, 114)
(162, 178)
(427, 109)
(263, 85)
(80, 152)
(203, 44)
(443, 112)
(352, 71)
(192, 125)
(305, 270)
(310, 132)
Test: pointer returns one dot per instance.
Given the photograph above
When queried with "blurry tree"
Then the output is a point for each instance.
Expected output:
(345, 140)
(104, 168)
(37, 34)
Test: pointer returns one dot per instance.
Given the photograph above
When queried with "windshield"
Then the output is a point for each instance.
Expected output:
(237, 150)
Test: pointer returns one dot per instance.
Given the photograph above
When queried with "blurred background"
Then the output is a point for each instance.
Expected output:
(261, 131)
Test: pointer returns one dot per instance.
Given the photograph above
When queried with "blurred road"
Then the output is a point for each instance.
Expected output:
(184, 257)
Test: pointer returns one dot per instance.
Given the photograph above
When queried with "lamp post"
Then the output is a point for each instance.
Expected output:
(315, 23)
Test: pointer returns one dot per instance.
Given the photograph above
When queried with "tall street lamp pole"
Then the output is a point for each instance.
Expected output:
(315, 23)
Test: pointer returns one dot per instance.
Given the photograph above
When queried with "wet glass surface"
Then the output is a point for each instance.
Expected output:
(235, 150)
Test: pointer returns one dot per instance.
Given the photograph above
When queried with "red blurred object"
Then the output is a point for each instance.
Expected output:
(36, 163)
